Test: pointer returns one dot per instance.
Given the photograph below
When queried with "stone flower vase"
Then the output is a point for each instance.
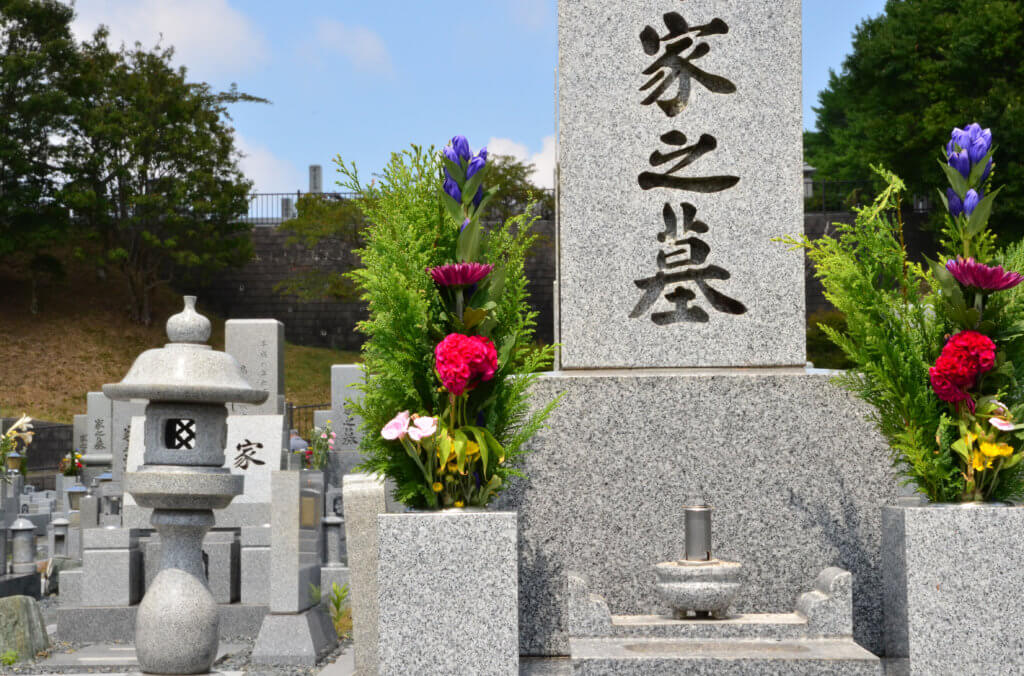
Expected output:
(952, 589)
(448, 592)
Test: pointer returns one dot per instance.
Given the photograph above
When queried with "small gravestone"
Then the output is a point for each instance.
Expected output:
(98, 458)
(344, 423)
(258, 345)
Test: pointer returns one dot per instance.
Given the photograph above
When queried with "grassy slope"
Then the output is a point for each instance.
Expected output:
(82, 338)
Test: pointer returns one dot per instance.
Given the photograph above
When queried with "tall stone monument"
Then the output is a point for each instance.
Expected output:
(682, 326)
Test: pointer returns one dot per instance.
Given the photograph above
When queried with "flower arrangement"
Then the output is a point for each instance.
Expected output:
(20, 432)
(450, 353)
(71, 464)
(315, 455)
(936, 348)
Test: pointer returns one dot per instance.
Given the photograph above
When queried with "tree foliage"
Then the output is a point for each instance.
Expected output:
(38, 59)
(917, 71)
(154, 175)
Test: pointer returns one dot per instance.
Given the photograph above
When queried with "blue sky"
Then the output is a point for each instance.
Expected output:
(361, 79)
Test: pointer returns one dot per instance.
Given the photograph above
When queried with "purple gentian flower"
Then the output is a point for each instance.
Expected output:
(971, 200)
(475, 165)
(478, 196)
(980, 146)
(956, 205)
(961, 161)
(461, 147)
(453, 190)
(450, 153)
(465, 223)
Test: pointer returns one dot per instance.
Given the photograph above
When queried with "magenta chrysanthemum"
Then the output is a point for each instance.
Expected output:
(971, 273)
(460, 274)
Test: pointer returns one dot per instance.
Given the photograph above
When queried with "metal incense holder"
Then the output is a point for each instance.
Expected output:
(698, 586)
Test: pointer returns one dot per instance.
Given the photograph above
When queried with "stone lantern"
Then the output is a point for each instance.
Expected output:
(183, 480)
(23, 547)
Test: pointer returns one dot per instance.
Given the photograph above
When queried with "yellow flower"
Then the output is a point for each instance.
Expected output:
(472, 449)
(995, 450)
(438, 487)
(460, 503)
(979, 461)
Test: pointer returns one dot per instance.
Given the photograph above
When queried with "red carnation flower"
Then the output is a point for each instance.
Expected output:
(977, 275)
(965, 356)
(460, 274)
(464, 361)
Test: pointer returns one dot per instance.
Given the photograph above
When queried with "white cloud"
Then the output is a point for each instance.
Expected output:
(267, 171)
(209, 36)
(360, 45)
(543, 162)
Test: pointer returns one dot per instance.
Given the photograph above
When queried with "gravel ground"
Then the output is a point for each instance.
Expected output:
(238, 661)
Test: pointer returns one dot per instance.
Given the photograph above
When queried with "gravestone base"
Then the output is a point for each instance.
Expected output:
(795, 473)
(333, 575)
(669, 657)
(117, 623)
(296, 639)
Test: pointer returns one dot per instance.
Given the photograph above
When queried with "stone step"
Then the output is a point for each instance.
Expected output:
(730, 657)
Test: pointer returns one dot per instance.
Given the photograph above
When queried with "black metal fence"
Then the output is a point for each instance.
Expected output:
(272, 208)
(825, 195)
(301, 417)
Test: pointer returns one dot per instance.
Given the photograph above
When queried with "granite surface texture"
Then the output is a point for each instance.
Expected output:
(69, 583)
(955, 589)
(447, 593)
(98, 409)
(255, 564)
(829, 606)
(621, 154)
(117, 623)
(364, 501)
(659, 657)
(112, 571)
(796, 476)
(177, 627)
(294, 638)
(295, 544)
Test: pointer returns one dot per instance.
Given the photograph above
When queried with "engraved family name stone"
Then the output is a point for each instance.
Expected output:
(680, 161)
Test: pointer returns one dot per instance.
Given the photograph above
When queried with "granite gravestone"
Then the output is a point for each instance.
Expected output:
(98, 456)
(80, 430)
(680, 159)
(258, 345)
(123, 413)
(343, 423)
(667, 267)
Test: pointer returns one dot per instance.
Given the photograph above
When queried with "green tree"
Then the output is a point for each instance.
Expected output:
(154, 171)
(917, 71)
(38, 61)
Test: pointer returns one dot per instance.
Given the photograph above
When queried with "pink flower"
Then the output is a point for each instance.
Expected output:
(333, 435)
(462, 362)
(323, 436)
(971, 273)
(1002, 424)
(460, 274)
(396, 427)
(422, 428)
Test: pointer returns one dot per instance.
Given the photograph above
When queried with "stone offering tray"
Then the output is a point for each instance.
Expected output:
(817, 638)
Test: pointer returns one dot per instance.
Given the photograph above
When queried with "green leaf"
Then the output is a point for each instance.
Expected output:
(481, 442)
(979, 218)
(460, 449)
(979, 168)
(956, 179)
(496, 283)
(472, 316)
(452, 207)
(470, 187)
(961, 448)
(468, 246)
(497, 448)
(456, 170)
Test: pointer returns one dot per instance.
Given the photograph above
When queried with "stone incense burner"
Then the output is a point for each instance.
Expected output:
(183, 480)
(699, 585)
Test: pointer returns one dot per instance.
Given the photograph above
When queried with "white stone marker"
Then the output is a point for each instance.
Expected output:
(99, 412)
(258, 345)
(680, 160)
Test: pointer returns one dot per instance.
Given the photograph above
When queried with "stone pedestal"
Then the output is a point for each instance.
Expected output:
(255, 564)
(364, 501)
(112, 572)
(952, 588)
(448, 593)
